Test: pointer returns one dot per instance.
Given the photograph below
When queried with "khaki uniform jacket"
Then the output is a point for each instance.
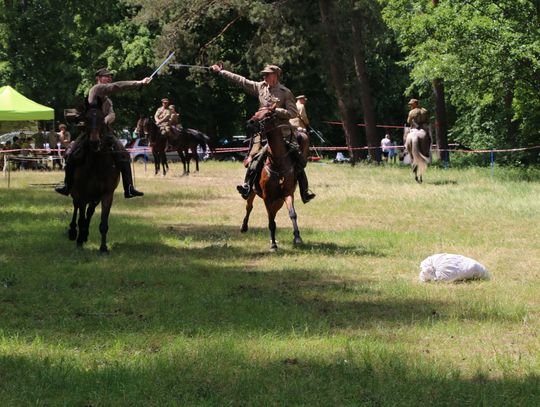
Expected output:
(163, 116)
(268, 96)
(416, 116)
(302, 119)
(102, 90)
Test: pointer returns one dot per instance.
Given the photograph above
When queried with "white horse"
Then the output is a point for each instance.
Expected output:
(418, 144)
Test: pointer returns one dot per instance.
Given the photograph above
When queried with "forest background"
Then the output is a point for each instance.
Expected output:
(474, 64)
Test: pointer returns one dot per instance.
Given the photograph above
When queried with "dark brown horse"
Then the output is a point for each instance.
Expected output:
(184, 141)
(96, 177)
(158, 143)
(277, 181)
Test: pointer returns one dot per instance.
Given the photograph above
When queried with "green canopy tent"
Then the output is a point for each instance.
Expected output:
(16, 107)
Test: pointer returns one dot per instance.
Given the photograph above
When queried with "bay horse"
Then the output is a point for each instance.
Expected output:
(158, 143)
(277, 182)
(418, 144)
(95, 180)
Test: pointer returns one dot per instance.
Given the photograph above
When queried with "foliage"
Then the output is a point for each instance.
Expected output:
(487, 52)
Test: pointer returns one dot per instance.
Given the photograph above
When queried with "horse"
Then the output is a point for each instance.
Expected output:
(182, 140)
(185, 141)
(418, 144)
(277, 181)
(158, 143)
(95, 180)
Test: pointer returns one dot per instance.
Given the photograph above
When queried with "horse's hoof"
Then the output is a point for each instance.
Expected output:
(244, 229)
(103, 250)
(297, 241)
(273, 248)
(72, 234)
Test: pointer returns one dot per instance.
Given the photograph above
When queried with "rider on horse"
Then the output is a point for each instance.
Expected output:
(274, 96)
(418, 117)
(99, 93)
(163, 118)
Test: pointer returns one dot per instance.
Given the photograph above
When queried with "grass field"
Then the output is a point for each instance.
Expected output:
(186, 310)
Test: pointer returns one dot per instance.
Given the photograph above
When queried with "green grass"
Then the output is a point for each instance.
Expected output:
(186, 310)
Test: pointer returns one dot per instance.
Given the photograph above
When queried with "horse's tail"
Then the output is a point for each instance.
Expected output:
(201, 138)
(419, 158)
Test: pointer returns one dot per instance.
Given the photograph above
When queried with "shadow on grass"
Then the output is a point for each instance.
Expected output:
(443, 182)
(210, 374)
(191, 280)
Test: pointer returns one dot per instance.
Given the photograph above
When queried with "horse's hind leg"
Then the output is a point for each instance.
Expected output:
(249, 207)
(289, 201)
(72, 233)
(106, 204)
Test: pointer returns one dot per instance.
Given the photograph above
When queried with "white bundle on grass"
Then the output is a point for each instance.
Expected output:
(451, 267)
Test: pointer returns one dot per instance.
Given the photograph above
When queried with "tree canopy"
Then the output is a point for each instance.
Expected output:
(486, 52)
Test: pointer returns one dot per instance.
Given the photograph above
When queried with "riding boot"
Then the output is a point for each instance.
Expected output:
(303, 186)
(127, 181)
(69, 169)
(245, 188)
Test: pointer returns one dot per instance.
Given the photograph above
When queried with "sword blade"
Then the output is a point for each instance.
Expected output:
(162, 64)
(188, 66)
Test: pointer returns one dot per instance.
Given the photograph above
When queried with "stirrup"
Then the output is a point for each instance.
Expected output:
(132, 192)
(62, 189)
(244, 190)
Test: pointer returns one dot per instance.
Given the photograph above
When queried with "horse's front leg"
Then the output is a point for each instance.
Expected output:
(106, 204)
(164, 164)
(289, 201)
(81, 223)
(272, 227)
(182, 155)
(72, 233)
(89, 213)
(249, 208)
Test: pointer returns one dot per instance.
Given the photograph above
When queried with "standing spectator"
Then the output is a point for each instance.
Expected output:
(385, 142)
(64, 136)
(392, 151)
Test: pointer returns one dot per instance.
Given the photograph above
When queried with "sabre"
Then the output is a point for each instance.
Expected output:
(189, 66)
(162, 64)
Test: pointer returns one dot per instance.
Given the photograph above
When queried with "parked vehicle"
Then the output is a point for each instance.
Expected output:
(140, 151)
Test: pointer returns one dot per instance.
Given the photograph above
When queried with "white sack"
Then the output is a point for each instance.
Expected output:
(451, 267)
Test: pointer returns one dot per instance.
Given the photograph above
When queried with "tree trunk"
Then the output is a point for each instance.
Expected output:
(441, 123)
(365, 89)
(338, 74)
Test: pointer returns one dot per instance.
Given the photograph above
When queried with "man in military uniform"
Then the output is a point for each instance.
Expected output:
(163, 118)
(272, 95)
(301, 123)
(418, 117)
(101, 90)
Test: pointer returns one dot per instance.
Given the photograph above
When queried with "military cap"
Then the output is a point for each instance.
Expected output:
(103, 72)
(62, 126)
(272, 69)
(165, 100)
(412, 101)
(301, 97)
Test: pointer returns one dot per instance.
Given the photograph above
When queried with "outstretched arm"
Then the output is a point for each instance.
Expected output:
(248, 85)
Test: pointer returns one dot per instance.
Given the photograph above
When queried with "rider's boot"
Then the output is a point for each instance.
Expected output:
(127, 181)
(304, 188)
(245, 188)
(68, 179)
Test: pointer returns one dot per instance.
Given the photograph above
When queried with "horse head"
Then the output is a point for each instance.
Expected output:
(93, 119)
(142, 127)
